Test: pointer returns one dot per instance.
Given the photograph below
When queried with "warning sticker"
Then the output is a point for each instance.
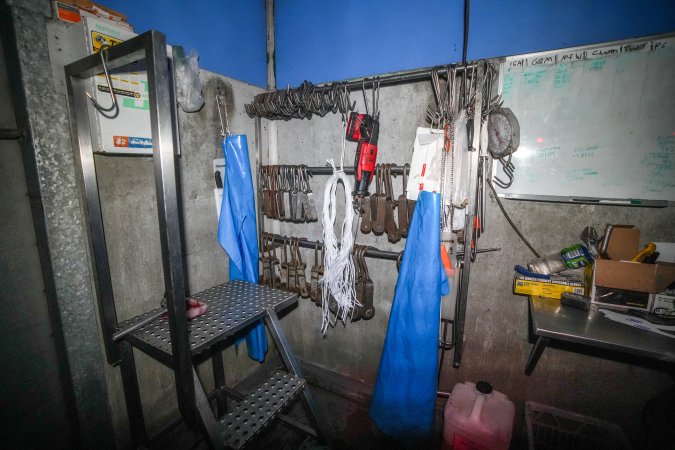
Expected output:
(462, 443)
(132, 142)
(98, 40)
(118, 91)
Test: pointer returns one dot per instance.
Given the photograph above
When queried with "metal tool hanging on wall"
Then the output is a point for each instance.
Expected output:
(302, 102)
(315, 291)
(365, 289)
(113, 110)
(287, 194)
(378, 208)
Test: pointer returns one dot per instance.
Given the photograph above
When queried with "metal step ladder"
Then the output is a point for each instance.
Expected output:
(166, 334)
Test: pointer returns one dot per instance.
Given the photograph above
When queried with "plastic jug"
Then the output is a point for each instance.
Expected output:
(477, 418)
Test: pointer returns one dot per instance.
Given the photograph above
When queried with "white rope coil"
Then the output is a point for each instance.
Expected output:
(338, 279)
(337, 284)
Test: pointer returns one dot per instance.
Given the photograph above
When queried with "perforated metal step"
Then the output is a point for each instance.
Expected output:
(259, 409)
(232, 307)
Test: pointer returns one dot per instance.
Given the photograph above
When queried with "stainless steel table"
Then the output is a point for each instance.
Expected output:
(551, 321)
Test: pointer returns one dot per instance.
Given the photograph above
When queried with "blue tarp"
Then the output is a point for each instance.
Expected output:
(405, 391)
(237, 228)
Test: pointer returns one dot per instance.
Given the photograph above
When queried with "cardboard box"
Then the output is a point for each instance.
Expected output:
(666, 301)
(621, 298)
(619, 273)
(90, 8)
(545, 288)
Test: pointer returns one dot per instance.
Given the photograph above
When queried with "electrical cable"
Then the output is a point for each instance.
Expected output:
(10, 133)
(467, 9)
(513, 225)
(339, 274)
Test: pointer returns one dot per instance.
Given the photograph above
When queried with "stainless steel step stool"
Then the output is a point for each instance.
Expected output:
(167, 335)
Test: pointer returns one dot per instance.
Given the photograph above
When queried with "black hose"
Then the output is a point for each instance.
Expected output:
(513, 225)
(10, 133)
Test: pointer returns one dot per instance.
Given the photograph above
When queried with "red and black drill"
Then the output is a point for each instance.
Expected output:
(364, 129)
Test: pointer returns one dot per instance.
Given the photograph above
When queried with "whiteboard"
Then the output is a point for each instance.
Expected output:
(597, 123)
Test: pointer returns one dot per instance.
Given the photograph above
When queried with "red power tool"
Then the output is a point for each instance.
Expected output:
(364, 129)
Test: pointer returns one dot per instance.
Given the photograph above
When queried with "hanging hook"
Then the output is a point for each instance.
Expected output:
(365, 99)
(376, 98)
(114, 106)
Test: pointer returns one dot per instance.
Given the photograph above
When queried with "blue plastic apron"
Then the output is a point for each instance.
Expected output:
(405, 391)
(237, 228)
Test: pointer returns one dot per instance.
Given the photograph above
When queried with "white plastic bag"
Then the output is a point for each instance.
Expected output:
(425, 167)
(460, 150)
(188, 85)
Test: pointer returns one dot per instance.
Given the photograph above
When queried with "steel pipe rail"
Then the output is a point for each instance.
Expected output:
(371, 252)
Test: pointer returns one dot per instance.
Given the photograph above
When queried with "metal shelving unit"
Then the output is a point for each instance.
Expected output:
(167, 335)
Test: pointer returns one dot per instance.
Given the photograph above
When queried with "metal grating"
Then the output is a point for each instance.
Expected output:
(232, 306)
(550, 428)
(259, 408)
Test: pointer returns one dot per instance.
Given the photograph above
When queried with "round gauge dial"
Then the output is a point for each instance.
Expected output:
(503, 132)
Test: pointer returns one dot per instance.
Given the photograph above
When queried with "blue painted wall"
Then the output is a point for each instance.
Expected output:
(331, 40)
(334, 40)
(228, 34)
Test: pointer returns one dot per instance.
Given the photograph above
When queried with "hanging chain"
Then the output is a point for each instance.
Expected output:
(221, 106)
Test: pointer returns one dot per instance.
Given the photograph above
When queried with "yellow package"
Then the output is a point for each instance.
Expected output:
(545, 288)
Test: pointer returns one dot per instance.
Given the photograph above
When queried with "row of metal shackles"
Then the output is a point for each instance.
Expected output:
(286, 193)
(363, 287)
(289, 272)
(302, 102)
(377, 209)
(459, 92)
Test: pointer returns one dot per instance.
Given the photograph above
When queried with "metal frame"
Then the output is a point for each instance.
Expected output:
(150, 46)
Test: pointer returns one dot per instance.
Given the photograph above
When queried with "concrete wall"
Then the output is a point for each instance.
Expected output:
(496, 346)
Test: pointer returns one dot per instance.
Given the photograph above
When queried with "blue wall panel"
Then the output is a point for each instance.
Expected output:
(503, 28)
(331, 40)
(228, 34)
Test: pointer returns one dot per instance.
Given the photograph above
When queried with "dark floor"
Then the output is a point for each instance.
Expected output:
(349, 427)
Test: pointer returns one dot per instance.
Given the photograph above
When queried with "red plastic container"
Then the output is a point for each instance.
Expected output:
(476, 417)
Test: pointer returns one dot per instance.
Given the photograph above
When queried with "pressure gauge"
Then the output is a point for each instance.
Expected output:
(503, 132)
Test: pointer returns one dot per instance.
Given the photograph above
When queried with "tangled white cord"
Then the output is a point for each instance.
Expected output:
(338, 279)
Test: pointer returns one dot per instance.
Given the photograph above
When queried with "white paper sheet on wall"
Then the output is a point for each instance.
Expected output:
(218, 180)
(425, 167)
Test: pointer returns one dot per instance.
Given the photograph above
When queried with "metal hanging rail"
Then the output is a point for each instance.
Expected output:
(405, 76)
(304, 243)
(371, 252)
(308, 99)
(327, 170)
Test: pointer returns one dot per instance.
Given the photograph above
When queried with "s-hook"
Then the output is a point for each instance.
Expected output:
(103, 52)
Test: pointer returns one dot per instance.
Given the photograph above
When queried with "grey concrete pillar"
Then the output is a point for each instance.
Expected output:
(50, 172)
